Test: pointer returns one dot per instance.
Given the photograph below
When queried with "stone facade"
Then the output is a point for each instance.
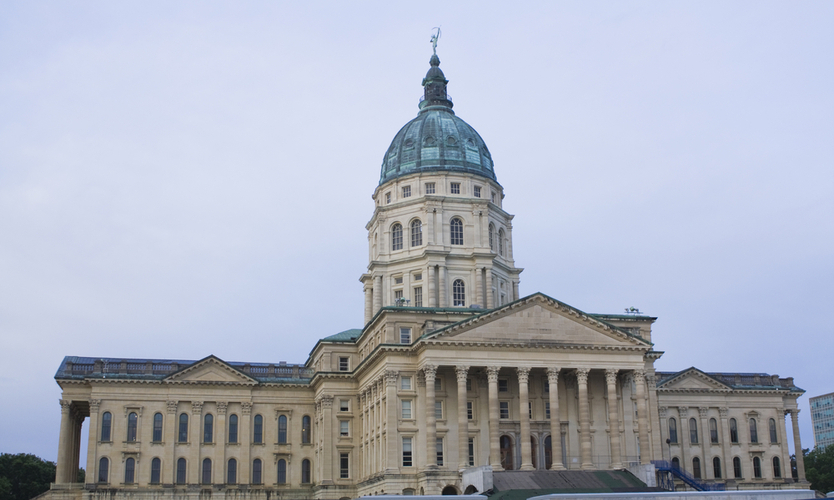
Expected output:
(453, 370)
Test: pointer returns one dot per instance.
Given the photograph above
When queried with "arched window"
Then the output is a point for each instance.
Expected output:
(693, 431)
(132, 420)
(258, 434)
(208, 428)
(206, 477)
(183, 430)
(396, 237)
(491, 237)
(305, 429)
(696, 467)
(231, 472)
(456, 231)
(777, 468)
(106, 420)
(282, 471)
(458, 293)
(757, 467)
(157, 427)
(416, 233)
(733, 432)
(772, 427)
(713, 431)
(233, 428)
(156, 470)
(256, 471)
(673, 430)
(181, 471)
(737, 467)
(103, 469)
(716, 468)
(676, 463)
(282, 429)
(754, 433)
(305, 472)
(501, 242)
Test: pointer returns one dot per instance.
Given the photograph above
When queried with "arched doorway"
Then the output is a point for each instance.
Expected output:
(548, 453)
(449, 490)
(470, 490)
(506, 452)
(534, 451)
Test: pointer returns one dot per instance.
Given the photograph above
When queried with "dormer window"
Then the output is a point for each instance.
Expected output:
(387, 198)
(477, 191)
(455, 188)
(429, 188)
(406, 191)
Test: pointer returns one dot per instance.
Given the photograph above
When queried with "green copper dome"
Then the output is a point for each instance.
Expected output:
(437, 140)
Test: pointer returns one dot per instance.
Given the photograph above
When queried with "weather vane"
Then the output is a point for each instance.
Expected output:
(434, 38)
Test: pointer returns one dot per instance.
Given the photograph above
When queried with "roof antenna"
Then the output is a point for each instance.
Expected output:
(434, 38)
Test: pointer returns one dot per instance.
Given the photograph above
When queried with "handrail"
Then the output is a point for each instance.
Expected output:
(666, 466)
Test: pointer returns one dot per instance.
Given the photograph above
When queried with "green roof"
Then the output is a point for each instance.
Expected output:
(345, 336)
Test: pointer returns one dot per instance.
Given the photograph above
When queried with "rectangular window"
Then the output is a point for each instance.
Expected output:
(405, 406)
(504, 409)
(406, 191)
(344, 428)
(438, 410)
(344, 405)
(344, 364)
(503, 385)
(468, 384)
(477, 191)
(418, 296)
(438, 384)
(429, 188)
(492, 197)
(547, 410)
(546, 388)
(440, 452)
(344, 466)
(456, 188)
(398, 295)
(405, 335)
(418, 276)
(398, 280)
(387, 198)
(471, 452)
(530, 410)
(407, 452)
(469, 414)
(405, 383)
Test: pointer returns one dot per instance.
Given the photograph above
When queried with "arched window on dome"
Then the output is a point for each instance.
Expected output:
(396, 237)
(501, 237)
(416, 233)
(458, 293)
(491, 237)
(456, 231)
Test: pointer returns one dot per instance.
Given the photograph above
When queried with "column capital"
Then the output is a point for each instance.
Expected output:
(651, 379)
(793, 411)
(246, 407)
(171, 406)
(639, 376)
(326, 401)
(553, 374)
(391, 377)
(429, 372)
(683, 411)
(723, 412)
(462, 371)
(611, 375)
(196, 407)
(582, 375)
(94, 405)
(492, 373)
(221, 407)
(702, 411)
(661, 410)
(65, 406)
(523, 374)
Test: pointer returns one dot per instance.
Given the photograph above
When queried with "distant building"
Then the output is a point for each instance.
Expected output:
(451, 370)
(822, 416)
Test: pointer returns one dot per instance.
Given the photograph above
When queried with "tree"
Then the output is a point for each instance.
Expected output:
(25, 476)
(819, 468)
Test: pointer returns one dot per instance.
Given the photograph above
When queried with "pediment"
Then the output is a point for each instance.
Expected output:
(539, 320)
(693, 379)
(211, 370)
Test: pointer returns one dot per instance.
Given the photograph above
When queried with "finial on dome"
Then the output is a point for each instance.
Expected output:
(434, 38)
(435, 82)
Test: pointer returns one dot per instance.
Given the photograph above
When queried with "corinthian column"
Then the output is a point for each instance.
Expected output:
(377, 294)
(642, 417)
(584, 418)
(92, 441)
(555, 420)
(64, 443)
(430, 372)
(613, 418)
(797, 446)
(391, 441)
(524, 418)
(463, 419)
(494, 446)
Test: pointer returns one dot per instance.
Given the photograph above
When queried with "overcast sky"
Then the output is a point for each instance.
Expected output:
(182, 179)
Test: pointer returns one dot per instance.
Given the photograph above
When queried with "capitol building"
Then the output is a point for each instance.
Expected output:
(453, 375)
